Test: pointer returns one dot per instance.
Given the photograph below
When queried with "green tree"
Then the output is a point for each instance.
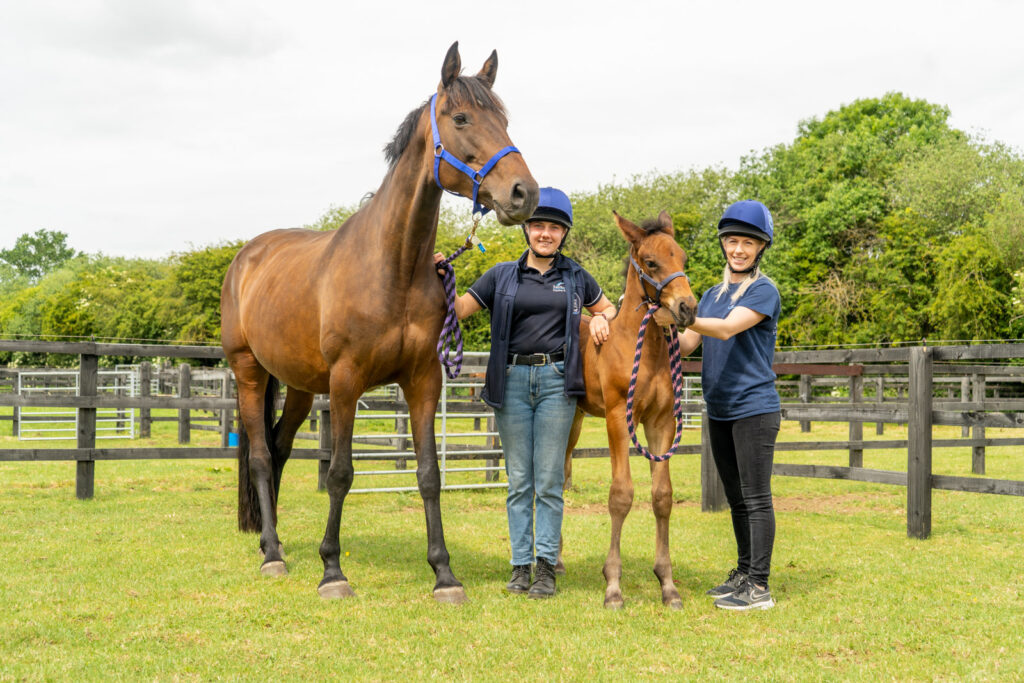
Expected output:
(973, 291)
(33, 255)
(196, 279)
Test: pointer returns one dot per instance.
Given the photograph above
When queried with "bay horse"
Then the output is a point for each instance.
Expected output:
(607, 370)
(343, 311)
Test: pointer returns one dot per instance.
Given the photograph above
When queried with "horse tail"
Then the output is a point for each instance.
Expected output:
(249, 516)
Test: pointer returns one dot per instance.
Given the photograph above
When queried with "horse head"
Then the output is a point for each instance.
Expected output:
(470, 128)
(658, 265)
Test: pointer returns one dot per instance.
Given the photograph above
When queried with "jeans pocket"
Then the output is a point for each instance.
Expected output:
(559, 368)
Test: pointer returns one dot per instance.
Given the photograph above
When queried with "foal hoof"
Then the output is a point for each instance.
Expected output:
(274, 568)
(614, 602)
(335, 590)
(453, 595)
(560, 568)
(675, 603)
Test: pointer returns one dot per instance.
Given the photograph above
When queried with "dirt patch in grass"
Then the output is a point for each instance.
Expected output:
(843, 503)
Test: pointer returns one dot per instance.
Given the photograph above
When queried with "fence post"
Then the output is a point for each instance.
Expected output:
(85, 469)
(226, 417)
(325, 443)
(712, 492)
(145, 418)
(184, 391)
(965, 397)
(805, 397)
(919, 444)
(978, 430)
(880, 397)
(856, 426)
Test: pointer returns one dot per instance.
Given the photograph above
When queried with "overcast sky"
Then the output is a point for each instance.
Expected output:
(145, 127)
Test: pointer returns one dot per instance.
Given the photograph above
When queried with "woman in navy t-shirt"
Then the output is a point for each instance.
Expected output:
(737, 322)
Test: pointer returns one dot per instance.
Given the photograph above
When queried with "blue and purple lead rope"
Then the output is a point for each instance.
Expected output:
(451, 333)
(676, 364)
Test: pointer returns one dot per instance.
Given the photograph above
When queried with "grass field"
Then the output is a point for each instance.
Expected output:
(150, 580)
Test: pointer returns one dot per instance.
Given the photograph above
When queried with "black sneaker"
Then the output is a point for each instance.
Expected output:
(736, 578)
(747, 597)
(543, 585)
(520, 581)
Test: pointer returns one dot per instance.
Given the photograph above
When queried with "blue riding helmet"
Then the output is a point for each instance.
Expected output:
(554, 206)
(747, 217)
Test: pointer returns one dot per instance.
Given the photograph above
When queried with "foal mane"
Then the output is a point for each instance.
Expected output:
(463, 90)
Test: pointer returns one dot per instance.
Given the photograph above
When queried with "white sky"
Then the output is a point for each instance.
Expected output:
(144, 127)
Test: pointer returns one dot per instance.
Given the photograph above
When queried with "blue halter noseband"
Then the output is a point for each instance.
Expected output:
(476, 176)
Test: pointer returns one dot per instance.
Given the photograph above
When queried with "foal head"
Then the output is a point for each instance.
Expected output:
(654, 250)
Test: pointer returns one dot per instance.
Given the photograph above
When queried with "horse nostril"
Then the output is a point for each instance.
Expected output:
(518, 196)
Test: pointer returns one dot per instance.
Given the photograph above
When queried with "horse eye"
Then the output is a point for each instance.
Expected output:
(460, 119)
(653, 265)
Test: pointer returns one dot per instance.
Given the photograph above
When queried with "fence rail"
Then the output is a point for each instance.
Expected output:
(829, 386)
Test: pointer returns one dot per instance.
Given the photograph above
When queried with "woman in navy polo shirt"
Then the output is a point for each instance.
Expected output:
(737, 322)
(534, 377)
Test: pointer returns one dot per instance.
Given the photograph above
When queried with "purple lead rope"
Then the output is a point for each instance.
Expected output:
(451, 333)
(676, 364)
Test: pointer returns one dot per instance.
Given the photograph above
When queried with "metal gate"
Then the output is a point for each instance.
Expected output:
(53, 424)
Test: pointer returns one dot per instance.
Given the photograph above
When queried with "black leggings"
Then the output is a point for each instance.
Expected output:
(744, 450)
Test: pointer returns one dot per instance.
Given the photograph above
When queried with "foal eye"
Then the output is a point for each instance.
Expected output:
(653, 265)
(460, 119)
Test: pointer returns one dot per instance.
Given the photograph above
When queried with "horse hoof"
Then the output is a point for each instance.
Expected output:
(560, 568)
(274, 568)
(675, 603)
(335, 590)
(614, 602)
(453, 595)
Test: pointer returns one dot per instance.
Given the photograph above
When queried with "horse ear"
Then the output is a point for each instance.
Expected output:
(451, 67)
(489, 70)
(629, 230)
(665, 221)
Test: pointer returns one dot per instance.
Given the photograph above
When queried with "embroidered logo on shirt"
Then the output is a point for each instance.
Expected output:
(558, 287)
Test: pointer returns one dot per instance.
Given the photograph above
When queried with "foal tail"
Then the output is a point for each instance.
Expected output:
(249, 516)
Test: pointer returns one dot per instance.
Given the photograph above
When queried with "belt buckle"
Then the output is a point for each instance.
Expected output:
(543, 359)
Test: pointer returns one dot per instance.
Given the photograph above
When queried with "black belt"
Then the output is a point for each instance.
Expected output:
(535, 358)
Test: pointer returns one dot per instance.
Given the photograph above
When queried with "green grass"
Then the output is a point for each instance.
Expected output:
(150, 580)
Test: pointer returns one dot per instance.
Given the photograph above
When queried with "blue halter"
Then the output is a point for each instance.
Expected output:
(476, 176)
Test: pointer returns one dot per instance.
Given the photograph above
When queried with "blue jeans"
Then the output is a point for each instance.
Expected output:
(534, 425)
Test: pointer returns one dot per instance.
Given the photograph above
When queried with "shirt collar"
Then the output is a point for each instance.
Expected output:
(561, 263)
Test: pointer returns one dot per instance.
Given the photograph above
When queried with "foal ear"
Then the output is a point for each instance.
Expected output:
(665, 221)
(629, 230)
(451, 67)
(489, 70)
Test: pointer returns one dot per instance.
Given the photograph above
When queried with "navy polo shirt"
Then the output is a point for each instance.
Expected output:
(736, 375)
(538, 314)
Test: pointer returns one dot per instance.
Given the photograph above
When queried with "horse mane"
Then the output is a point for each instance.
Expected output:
(463, 90)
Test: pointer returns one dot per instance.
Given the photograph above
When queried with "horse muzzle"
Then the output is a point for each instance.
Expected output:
(681, 313)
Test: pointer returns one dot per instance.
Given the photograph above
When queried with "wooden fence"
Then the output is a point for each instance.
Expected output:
(971, 386)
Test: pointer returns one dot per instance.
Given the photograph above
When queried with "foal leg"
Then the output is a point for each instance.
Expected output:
(620, 500)
(422, 392)
(346, 387)
(252, 382)
(659, 433)
(574, 436)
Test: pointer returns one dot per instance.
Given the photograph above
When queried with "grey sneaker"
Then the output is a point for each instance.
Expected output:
(543, 585)
(730, 586)
(520, 581)
(747, 597)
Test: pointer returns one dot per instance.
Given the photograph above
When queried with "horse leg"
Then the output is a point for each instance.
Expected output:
(422, 392)
(659, 433)
(254, 383)
(574, 436)
(296, 408)
(620, 500)
(345, 392)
